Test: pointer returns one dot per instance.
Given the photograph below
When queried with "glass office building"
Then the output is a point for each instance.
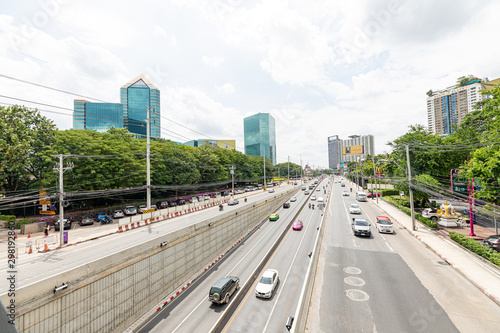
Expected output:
(97, 116)
(136, 96)
(260, 136)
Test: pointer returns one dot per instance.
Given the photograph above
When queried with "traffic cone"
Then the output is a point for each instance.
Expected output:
(29, 234)
(46, 247)
(30, 251)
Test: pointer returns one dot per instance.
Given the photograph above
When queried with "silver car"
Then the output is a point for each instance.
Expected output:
(361, 227)
(354, 209)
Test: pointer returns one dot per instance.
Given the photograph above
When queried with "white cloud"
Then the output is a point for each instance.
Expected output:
(212, 62)
(226, 88)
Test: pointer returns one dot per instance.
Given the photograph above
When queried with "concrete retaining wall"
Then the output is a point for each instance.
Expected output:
(32, 227)
(109, 294)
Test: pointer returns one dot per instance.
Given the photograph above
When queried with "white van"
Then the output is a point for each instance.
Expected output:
(360, 196)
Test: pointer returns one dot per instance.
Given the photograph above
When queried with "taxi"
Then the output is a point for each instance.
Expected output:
(297, 225)
(274, 217)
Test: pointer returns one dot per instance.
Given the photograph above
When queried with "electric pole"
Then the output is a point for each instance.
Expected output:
(148, 162)
(231, 170)
(411, 191)
(288, 169)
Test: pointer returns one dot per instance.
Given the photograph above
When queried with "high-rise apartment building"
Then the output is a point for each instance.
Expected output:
(447, 108)
(356, 147)
(260, 136)
(334, 152)
(136, 97)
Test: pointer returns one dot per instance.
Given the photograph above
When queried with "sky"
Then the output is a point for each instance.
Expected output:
(321, 68)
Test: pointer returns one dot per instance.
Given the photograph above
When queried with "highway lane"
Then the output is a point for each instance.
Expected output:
(365, 286)
(291, 260)
(39, 266)
(193, 312)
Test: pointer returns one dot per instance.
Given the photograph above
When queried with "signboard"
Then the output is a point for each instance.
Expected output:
(460, 184)
(46, 208)
(353, 150)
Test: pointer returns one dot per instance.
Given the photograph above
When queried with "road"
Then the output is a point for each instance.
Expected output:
(40, 266)
(194, 313)
(389, 283)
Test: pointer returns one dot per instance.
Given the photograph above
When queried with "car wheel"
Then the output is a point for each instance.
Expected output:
(237, 286)
(216, 297)
(434, 218)
(226, 299)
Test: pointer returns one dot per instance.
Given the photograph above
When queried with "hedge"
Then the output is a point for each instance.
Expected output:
(387, 192)
(476, 247)
(407, 210)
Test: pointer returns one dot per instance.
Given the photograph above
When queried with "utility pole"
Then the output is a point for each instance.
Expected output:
(375, 178)
(411, 191)
(148, 162)
(288, 169)
(232, 178)
(61, 195)
(265, 168)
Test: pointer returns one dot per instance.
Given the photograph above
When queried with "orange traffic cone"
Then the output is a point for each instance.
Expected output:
(30, 251)
(46, 247)
(29, 234)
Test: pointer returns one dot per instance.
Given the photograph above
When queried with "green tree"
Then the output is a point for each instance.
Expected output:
(25, 134)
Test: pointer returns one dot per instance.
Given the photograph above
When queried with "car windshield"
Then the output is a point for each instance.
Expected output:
(354, 206)
(386, 222)
(297, 223)
(361, 222)
(266, 280)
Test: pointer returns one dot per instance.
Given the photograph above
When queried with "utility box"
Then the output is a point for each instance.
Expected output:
(65, 237)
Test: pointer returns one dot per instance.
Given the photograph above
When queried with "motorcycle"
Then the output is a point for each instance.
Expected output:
(245, 199)
(221, 208)
(104, 219)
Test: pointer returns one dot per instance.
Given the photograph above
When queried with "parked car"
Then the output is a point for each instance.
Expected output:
(154, 207)
(172, 203)
(354, 209)
(493, 242)
(430, 214)
(223, 289)
(267, 284)
(373, 194)
(180, 202)
(274, 217)
(384, 224)
(130, 210)
(67, 224)
(297, 225)
(232, 202)
(117, 214)
(361, 227)
(86, 220)
(293, 199)
(141, 209)
(238, 192)
(286, 205)
(215, 195)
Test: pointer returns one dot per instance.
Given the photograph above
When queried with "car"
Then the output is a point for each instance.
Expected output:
(293, 199)
(271, 190)
(141, 209)
(306, 192)
(267, 284)
(384, 224)
(130, 210)
(215, 195)
(86, 220)
(361, 227)
(313, 197)
(193, 199)
(493, 242)
(345, 193)
(297, 225)
(274, 217)
(361, 196)
(232, 202)
(238, 192)
(354, 209)
(103, 218)
(373, 194)
(304, 188)
(430, 214)
(342, 184)
(286, 205)
(117, 214)
(153, 207)
(317, 190)
(180, 202)
(172, 203)
(67, 224)
(223, 289)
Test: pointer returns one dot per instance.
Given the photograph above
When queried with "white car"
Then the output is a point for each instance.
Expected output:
(232, 202)
(318, 189)
(361, 227)
(267, 284)
(293, 199)
(271, 190)
(384, 224)
(306, 192)
(313, 197)
(345, 193)
(354, 209)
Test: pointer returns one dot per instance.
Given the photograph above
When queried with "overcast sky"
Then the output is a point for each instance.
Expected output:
(321, 68)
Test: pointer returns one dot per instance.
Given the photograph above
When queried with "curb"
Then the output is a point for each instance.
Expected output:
(481, 288)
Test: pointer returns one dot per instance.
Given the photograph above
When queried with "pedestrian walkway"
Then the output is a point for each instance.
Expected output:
(481, 273)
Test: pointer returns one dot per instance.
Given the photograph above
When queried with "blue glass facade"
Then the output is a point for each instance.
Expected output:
(260, 136)
(97, 116)
(446, 114)
(136, 97)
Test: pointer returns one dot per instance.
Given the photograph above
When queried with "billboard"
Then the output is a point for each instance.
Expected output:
(353, 150)
(226, 144)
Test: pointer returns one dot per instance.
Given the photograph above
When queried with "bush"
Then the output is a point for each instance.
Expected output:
(388, 192)
(476, 247)
(7, 217)
(407, 210)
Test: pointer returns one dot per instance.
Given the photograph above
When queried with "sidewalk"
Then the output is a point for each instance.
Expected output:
(481, 273)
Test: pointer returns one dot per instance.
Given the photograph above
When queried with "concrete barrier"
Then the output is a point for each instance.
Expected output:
(110, 293)
(32, 227)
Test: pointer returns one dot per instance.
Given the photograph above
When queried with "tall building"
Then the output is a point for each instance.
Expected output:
(97, 116)
(447, 108)
(226, 144)
(136, 96)
(334, 152)
(357, 147)
(260, 136)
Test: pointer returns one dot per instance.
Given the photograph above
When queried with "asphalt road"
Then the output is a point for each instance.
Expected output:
(193, 312)
(365, 286)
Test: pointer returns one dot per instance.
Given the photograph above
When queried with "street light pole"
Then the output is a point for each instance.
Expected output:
(148, 161)
(374, 179)
(288, 169)
(232, 180)
(265, 168)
